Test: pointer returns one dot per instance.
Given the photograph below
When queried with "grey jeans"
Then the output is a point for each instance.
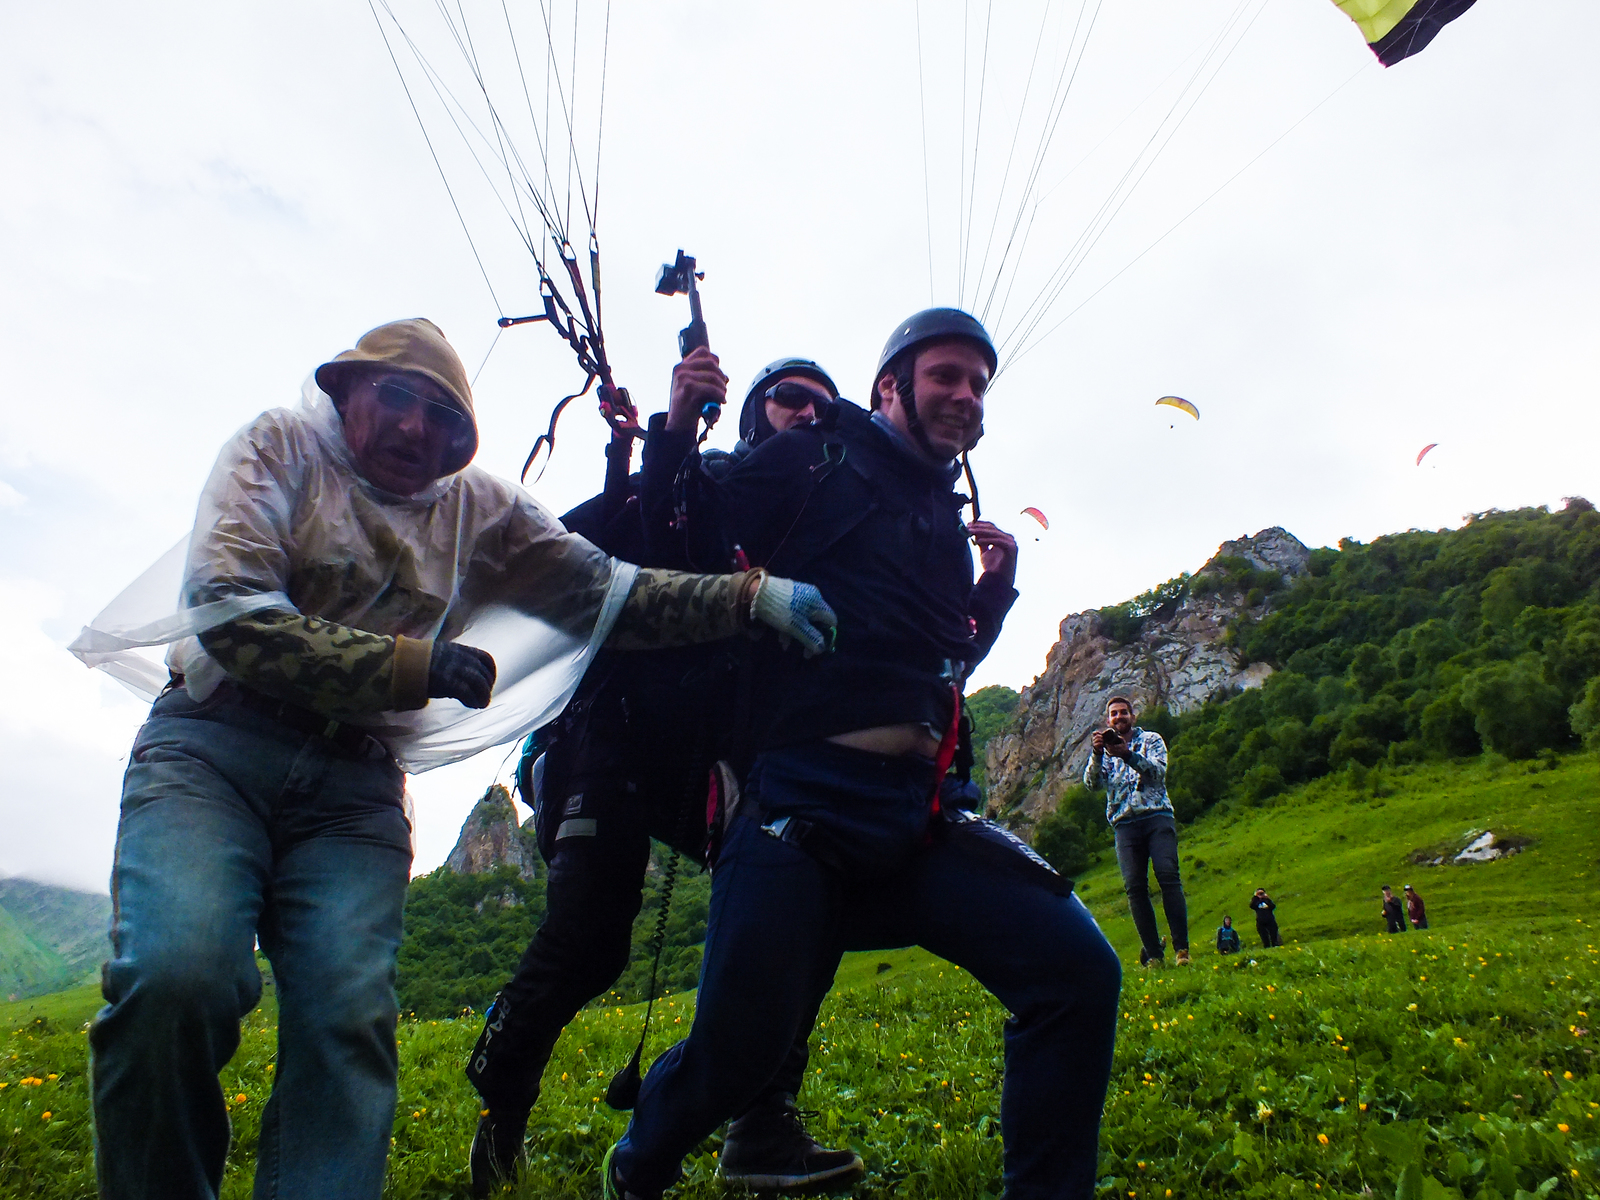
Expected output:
(235, 827)
(1143, 842)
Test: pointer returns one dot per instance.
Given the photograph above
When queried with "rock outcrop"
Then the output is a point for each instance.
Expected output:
(491, 838)
(1181, 657)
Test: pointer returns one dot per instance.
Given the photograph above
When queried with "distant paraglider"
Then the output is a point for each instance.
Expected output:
(1180, 403)
(1038, 516)
(1423, 453)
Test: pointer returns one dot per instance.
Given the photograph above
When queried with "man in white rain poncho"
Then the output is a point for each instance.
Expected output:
(340, 551)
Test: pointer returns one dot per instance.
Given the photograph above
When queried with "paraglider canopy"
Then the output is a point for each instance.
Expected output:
(1038, 516)
(1421, 454)
(1180, 402)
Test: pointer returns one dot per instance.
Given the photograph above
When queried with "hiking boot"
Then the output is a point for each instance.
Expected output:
(1183, 957)
(496, 1156)
(611, 1185)
(1146, 958)
(768, 1147)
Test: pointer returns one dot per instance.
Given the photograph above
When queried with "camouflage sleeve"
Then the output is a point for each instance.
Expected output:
(671, 608)
(331, 669)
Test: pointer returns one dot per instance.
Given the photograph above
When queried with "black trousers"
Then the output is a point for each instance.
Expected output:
(1143, 842)
(1267, 931)
(596, 873)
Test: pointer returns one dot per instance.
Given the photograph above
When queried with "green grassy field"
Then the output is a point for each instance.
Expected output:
(1457, 1062)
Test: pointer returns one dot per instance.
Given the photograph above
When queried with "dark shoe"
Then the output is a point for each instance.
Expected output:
(768, 1147)
(611, 1185)
(496, 1157)
(1146, 958)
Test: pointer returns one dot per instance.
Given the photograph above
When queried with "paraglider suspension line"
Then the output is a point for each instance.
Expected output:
(966, 466)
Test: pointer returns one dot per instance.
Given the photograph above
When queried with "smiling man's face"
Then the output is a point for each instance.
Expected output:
(948, 381)
(400, 428)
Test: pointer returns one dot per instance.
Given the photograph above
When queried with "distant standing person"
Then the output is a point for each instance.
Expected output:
(1415, 909)
(1393, 913)
(1132, 762)
(1266, 919)
(1227, 937)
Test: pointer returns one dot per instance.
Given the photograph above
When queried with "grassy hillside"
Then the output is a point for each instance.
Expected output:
(50, 937)
(1455, 1063)
(1323, 851)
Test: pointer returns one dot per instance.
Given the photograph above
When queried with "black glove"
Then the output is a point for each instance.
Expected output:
(462, 673)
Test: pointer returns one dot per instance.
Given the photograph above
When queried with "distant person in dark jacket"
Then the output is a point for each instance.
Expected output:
(1415, 909)
(1227, 937)
(1266, 921)
(1393, 913)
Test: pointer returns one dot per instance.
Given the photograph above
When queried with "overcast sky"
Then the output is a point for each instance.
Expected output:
(201, 202)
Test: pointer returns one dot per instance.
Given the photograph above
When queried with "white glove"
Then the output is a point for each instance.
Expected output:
(795, 610)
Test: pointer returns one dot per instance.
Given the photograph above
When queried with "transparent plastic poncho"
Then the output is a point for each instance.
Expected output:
(285, 522)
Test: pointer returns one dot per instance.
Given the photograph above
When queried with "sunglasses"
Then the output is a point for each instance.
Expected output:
(794, 396)
(397, 398)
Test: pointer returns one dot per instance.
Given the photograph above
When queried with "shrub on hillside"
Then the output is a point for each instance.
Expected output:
(1060, 842)
(1585, 715)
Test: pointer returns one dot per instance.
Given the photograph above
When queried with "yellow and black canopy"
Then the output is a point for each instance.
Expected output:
(1397, 29)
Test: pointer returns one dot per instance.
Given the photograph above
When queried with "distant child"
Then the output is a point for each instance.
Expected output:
(1266, 921)
(1415, 908)
(1227, 937)
(1393, 913)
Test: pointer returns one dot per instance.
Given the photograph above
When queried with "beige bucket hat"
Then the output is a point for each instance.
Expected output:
(418, 346)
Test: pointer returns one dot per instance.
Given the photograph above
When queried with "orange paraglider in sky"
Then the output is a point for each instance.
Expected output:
(1423, 453)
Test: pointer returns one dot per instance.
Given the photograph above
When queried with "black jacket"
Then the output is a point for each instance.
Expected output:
(1263, 906)
(841, 505)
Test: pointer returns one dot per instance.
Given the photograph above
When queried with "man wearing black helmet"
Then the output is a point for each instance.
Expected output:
(841, 841)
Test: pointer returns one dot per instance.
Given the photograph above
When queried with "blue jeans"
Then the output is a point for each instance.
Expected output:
(1143, 842)
(780, 920)
(235, 828)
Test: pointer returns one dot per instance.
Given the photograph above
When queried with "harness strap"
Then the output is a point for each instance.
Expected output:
(947, 749)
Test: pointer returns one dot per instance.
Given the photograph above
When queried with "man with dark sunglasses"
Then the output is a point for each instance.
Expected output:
(341, 552)
(626, 762)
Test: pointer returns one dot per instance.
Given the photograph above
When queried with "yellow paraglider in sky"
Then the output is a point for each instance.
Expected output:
(1180, 402)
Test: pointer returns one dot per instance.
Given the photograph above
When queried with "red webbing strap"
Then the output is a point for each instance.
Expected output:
(947, 748)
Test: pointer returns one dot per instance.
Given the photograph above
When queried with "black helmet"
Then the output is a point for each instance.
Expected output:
(933, 323)
(753, 423)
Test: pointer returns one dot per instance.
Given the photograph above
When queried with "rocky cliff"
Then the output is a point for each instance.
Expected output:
(1179, 654)
(491, 837)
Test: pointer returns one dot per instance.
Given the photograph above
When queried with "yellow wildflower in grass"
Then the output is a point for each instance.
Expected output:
(1563, 1128)
(240, 1098)
(1566, 1074)
(46, 1115)
(52, 1077)
(1322, 1139)
(1411, 1008)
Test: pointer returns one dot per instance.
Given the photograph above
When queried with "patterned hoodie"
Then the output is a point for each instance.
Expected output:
(1135, 786)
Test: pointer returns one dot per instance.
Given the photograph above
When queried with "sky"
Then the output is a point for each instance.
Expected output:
(1337, 263)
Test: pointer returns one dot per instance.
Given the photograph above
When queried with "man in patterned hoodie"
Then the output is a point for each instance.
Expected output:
(340, 551)
(1132, 763)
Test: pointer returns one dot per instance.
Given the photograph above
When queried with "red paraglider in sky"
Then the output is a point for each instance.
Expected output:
(1038, 516)
(1421, 454)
